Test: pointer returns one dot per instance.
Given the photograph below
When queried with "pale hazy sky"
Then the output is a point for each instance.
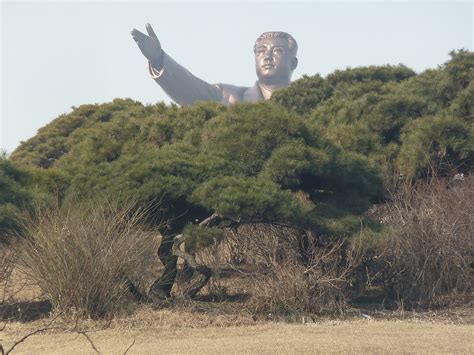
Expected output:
(55, 55)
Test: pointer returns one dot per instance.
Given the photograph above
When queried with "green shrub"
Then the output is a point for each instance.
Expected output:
(340, 141)
(436, 146)
(14, 196)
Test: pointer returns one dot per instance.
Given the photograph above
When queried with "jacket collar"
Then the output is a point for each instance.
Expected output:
(253, 94)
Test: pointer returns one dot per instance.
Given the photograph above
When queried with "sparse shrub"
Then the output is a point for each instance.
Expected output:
(84, 255)
(7, 261)
(291, 289)
(287, 280)
(428, 250)
(262, 245)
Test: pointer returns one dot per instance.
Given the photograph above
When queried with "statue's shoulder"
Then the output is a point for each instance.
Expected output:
(232, 89)
(232, 93)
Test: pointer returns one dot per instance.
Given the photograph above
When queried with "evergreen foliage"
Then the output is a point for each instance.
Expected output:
(333, 140)
(246, 162)
(313, 159)
(381, 112)
(14, 196)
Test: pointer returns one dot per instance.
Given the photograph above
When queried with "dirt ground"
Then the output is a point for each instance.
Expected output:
(170, 332)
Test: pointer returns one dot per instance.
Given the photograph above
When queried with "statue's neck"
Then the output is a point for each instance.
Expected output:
(268, 89)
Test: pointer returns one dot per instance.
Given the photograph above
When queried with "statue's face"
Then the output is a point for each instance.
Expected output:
(273, 61)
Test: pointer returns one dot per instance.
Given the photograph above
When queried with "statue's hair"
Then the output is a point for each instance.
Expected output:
(292, 45)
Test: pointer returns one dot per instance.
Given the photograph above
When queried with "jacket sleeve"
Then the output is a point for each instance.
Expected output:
(182, 86)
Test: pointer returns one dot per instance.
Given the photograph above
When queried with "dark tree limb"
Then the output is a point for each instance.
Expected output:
(206, 272)
(209, 220)
(195, 283)
(168, 252)
(135, 291)
(161, 288)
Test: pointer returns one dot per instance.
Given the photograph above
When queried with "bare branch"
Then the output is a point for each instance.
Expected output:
(205, 271)
(50, 327)
(47, 327)
(209, 219)
(84, 333)
(132, 344)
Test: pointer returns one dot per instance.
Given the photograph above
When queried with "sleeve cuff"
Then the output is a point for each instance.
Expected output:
(155, 73)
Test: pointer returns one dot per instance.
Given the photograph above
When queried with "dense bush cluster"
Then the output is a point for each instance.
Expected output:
(415, 125)
(315, 158)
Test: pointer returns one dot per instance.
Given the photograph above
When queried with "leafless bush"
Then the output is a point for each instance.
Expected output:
(428, 250)
(269, 262)
(84, 255)
(261, 245)
(319, 287)
(7, 260)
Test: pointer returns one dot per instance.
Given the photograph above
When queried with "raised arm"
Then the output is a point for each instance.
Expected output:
(182, 86)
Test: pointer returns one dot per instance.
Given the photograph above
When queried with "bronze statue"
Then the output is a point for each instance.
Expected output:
(275, 61)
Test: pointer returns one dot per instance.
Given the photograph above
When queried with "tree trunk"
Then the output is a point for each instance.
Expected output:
(168, 253)
(307, 242)
(161, 288)
(198, 282)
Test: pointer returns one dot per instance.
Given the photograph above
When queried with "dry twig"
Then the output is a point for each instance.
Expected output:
(132, 344)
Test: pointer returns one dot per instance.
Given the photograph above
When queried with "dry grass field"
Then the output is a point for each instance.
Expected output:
(197, 328)
(209, 327)
(350, 336)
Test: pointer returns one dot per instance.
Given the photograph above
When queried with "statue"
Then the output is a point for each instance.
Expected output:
(275, 61)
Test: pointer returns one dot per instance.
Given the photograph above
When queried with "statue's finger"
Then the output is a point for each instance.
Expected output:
(138, 33)
(150, 31)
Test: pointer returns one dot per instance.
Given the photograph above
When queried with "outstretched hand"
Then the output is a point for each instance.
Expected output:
(149, 45)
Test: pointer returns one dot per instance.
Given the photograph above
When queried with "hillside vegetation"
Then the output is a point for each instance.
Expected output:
(313, 161)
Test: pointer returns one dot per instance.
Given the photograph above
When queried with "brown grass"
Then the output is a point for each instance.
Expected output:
(221, 327)
(355, 336)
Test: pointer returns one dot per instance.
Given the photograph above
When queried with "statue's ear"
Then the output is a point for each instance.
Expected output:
(294, 63)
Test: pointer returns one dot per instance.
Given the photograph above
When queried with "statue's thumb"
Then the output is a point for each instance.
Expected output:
(150, 31)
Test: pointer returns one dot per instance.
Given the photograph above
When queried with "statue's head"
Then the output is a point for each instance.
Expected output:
(275, 57)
